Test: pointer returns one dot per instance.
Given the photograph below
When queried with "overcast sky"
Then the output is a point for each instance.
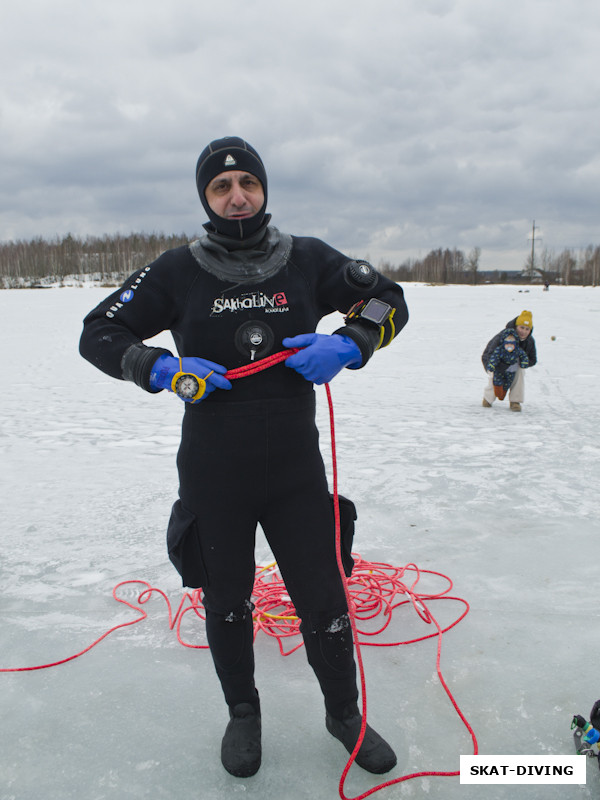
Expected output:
(388, 127)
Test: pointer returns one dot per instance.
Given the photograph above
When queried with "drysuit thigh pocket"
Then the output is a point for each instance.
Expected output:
(347, 517)
(183, 544)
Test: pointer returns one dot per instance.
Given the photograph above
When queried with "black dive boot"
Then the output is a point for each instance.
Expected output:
(241, 749)
(375, 754)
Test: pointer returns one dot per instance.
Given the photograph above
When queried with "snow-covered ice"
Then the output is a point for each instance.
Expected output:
(503, 503)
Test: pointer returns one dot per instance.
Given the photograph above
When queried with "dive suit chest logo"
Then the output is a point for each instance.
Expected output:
(271, 304)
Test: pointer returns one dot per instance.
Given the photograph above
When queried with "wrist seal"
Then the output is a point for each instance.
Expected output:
(137, 363)
(366, 337)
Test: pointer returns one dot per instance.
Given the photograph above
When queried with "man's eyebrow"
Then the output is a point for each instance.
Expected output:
(219, 181)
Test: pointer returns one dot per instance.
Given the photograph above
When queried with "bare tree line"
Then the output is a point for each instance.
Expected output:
(106, 259)
(438, 266)
(111, 259)
(568, 267)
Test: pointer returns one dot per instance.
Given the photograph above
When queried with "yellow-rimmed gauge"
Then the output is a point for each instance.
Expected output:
(187, 385)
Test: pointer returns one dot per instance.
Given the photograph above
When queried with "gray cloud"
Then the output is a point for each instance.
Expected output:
(388, 128)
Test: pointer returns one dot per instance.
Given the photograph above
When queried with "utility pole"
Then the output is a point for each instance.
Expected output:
(531, 271)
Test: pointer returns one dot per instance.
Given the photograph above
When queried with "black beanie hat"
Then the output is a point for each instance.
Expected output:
(230, 153)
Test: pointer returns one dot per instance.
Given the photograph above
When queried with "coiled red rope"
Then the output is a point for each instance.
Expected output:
(373, 592)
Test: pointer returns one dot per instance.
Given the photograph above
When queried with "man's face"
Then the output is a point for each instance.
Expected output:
(523, 331)
(235, 195)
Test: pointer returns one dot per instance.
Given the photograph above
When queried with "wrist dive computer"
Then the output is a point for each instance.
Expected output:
(374, 312)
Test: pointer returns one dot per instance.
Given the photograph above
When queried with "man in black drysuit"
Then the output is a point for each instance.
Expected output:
(241, 292)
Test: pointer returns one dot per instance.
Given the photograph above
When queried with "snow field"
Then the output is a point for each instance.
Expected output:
(505, 504)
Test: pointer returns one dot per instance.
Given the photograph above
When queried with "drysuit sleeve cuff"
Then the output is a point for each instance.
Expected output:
(137, 363)
(365, 336)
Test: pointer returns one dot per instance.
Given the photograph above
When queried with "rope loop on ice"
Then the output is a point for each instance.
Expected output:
(373, 592)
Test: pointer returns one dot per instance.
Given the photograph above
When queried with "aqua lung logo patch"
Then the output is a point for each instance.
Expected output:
(127, 295)
(270, 304)
(229, 160)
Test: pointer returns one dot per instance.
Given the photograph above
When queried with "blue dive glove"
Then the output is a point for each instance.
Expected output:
(322, 356)
(192, 379)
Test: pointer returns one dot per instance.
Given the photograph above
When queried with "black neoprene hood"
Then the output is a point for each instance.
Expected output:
(223, 155)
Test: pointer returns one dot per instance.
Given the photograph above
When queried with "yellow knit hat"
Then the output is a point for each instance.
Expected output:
(525, 318)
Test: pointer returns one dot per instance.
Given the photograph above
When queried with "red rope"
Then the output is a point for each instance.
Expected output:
(423, 612)
(258, 366)
(373, 590)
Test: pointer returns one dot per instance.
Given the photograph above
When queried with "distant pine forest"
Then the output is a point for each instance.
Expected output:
(109, 260)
